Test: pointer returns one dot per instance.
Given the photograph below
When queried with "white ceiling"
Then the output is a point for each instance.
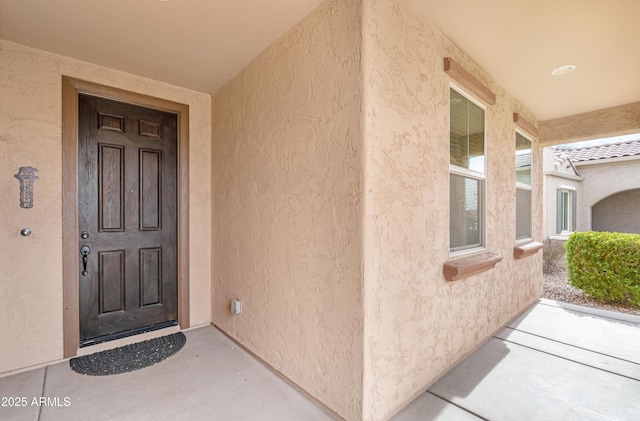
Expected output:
(201, 44)
(519, 43)
(197, 44)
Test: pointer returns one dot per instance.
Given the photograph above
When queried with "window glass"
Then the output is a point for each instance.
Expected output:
(467, 167)
(523, 160)
(466, 134)
(523, 187)
(566, 211)
(523, 214)
(466, 212)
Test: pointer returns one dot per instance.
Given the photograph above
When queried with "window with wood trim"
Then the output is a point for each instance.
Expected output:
(523, 187)
(466, 173)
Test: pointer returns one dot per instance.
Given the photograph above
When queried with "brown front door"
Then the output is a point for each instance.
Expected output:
(127, 164)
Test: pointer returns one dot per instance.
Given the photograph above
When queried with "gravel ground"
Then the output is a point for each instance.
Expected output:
(556, 287)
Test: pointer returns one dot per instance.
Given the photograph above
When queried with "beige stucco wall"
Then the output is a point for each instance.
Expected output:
(608, 122)
(417, 325)
(328, 207)
(30, 135)
(602, 180)
(617, 213)
(291, 232)
(287, 205)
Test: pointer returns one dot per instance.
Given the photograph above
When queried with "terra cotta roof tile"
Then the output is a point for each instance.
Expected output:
(592, 153)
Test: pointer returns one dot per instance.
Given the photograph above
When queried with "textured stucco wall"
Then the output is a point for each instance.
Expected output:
(602, 180)
(287, 206)
(617, 213)
(31, 135)
(417, 325)
(615, 121)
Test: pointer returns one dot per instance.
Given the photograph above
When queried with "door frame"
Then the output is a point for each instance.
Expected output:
(71, 87)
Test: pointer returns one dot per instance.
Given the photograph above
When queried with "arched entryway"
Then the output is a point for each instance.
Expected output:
(617, 213)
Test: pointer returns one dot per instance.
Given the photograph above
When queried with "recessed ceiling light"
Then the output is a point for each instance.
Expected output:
(563, 70)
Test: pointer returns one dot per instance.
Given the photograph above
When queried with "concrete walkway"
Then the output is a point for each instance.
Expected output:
(211, 378)
(554, 362)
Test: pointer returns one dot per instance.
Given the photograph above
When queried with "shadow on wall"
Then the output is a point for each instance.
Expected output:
(617, 213)
(459, 382)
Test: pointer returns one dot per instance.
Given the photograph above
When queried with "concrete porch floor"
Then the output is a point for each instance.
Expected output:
(554, 362)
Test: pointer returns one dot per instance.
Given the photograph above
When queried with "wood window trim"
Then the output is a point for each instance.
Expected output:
(70, 243)
(525, 125)
(463, 267)
(528, 249)
(467, 80)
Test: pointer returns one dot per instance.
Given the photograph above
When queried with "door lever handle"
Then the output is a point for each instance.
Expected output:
(84, 251)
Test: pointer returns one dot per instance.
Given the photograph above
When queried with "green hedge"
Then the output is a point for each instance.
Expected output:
(605, 265)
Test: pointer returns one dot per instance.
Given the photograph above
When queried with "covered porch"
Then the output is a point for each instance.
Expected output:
(315, 190)
(554, 361)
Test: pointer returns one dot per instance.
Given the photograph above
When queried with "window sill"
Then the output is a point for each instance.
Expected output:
(528, 249)
(463, 267)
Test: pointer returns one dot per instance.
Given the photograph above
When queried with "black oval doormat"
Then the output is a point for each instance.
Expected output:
(129, 357)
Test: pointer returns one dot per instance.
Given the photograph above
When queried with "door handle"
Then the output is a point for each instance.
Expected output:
(84, 251)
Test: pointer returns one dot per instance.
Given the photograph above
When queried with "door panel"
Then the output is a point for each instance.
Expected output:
(151, 190)
(127, 203)
(111, 281)
(150, 276)
(110, 188)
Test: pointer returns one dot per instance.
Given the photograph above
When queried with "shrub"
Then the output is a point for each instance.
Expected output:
(605, 265)
(552, 252)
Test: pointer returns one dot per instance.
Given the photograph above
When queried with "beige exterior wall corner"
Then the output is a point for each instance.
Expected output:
(319, 197)
(417, 324)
